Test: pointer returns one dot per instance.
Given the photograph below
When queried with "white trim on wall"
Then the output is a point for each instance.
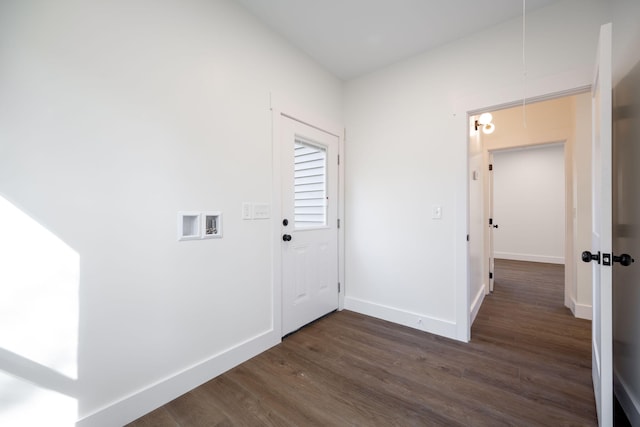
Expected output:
(419, 321)
(477, 303)
(529, 257)
(341, 203)
(131, 407)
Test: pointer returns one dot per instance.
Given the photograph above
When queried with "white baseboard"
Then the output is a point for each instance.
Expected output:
(630, 403)
(581, 311)
(529, 257)
(477, 302)
(146, 400)
(422, 322)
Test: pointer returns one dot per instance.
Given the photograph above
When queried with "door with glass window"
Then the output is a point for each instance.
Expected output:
(309, 223)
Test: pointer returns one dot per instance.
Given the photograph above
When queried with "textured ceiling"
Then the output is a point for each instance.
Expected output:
(354, 37)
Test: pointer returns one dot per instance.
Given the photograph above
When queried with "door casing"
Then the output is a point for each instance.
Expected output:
(285, 108)
(568, 217)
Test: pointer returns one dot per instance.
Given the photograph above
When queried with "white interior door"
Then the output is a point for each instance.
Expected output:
(477, 270)
(602, 340)
(492, 226)
(309, 167)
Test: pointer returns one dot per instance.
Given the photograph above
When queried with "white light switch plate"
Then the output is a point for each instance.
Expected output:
(436, 212)
(247, 211)
(261, 211)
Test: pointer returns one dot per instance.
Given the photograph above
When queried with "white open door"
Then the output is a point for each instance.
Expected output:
(492, 226)
(601, 251)
(309, 177)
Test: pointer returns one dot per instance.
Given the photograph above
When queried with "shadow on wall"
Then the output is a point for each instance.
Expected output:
(39, 285)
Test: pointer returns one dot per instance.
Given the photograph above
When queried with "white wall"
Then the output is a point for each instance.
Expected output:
(116, 115)
(581, 295)
(406, 148)
(529, 204)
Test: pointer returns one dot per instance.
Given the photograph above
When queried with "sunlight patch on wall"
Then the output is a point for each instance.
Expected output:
(39, 286)
(27, 405)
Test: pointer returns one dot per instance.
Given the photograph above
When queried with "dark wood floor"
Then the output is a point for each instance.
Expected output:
(528, 364)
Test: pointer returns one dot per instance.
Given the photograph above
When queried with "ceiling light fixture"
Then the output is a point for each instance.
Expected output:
(485, 120)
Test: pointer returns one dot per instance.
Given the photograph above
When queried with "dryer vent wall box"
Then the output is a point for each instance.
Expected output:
(188, 225)
(199, 225)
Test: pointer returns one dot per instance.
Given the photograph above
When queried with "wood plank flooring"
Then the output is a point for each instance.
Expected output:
(528, 364)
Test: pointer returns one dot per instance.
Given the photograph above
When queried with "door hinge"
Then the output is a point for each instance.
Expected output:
(338, 159)
(338, 222)
(490, 167)
(490, 275)
(490, 221)
(467, 237)
(345, 134)
(338, 287)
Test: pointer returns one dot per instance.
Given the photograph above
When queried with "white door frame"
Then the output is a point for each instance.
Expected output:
(283, 108)
(558, 87)
(568, 215)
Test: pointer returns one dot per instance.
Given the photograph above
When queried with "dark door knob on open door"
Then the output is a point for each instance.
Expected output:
(624, 259)
(286, 237)
(588, 256)
(495, 225)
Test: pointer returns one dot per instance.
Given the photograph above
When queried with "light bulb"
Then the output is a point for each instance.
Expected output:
(485, 118)
(488, 128)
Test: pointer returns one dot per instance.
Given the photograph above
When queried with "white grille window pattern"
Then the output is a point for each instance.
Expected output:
(310, 185)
